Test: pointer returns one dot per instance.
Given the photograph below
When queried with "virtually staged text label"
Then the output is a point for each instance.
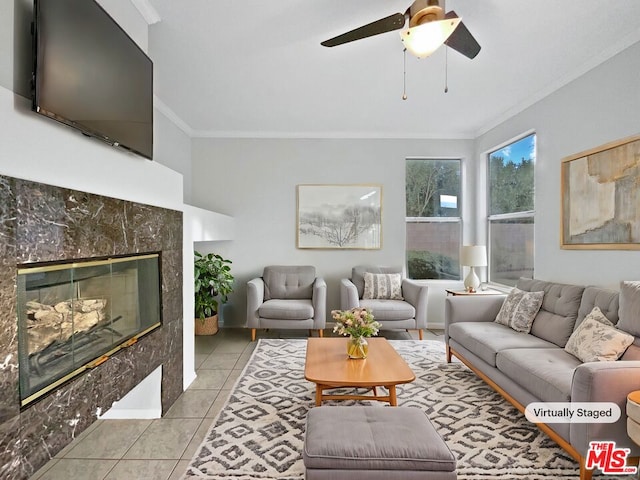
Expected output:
(576, 412)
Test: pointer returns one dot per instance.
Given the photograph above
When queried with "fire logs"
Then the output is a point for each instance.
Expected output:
(50, 323)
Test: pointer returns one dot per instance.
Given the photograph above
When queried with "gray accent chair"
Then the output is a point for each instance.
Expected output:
(287, 297)
(407, 314)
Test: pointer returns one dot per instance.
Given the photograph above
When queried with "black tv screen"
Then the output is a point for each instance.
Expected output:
(89, 74)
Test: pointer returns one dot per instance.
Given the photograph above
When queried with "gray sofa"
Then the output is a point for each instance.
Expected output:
(534, 367)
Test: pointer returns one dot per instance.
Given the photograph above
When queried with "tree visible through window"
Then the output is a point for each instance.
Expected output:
(433, 218)
(511, 211)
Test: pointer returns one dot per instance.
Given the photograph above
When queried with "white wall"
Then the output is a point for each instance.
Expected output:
(254, 181)
(199, 226)
(36, 148)
(601, 106)
(172, 148)
(6, 44)
(39, 149)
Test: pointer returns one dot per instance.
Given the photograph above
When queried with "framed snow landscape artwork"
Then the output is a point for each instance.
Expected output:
(339, 216)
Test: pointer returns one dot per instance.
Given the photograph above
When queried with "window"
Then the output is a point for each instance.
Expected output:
(511, 211)
(433, 218)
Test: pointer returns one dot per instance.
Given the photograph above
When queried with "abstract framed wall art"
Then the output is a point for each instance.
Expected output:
(601, 197)
(339, 216)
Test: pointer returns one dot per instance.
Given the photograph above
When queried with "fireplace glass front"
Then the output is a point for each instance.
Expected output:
(73, 316)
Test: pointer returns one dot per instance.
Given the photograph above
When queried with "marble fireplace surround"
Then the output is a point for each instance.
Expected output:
(41, 223)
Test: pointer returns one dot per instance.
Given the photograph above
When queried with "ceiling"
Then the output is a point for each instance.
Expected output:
(256, 68)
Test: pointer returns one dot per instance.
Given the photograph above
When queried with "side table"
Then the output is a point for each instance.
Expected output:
(488, 291)
(633, 416)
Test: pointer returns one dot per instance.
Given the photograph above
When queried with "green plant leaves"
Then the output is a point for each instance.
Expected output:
(213, 282)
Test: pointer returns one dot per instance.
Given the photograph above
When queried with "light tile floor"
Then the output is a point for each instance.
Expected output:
(161, 449)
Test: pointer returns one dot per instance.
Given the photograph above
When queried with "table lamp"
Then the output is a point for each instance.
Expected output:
(473, 256)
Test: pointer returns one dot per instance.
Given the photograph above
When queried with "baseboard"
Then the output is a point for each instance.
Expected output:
(188, 379)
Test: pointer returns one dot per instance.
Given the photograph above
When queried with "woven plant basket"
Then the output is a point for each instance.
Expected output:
(208, 327)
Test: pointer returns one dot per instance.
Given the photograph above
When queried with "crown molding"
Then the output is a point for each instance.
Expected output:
(148, 12)
(329, 135)
(171, 115)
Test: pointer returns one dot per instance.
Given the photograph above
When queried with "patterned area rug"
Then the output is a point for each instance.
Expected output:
(259, 433)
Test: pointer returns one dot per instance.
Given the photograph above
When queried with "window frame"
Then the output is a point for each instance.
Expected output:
(511, 215)
(458, 219)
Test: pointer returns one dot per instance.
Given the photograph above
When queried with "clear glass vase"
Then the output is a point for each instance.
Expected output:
(357, 347)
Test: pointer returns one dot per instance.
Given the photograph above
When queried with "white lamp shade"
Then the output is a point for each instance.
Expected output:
(423, 40)
(473, 256)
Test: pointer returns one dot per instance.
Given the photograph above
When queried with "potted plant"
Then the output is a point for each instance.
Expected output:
(213, 283)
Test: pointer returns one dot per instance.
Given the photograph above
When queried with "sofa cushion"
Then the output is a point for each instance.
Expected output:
(545, 373)
(357, 274)
(606, 300)
(630, 308)
(633, 352)
(519, 309)
(279, 309)
(557, 316)
(382, 286)
(486, 339)
(389, 309)
(597, 340)
(288, 282)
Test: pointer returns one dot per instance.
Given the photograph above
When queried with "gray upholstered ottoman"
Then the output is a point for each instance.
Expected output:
(374, 443)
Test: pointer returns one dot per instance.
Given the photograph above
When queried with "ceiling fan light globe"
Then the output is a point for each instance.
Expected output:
(422, 40)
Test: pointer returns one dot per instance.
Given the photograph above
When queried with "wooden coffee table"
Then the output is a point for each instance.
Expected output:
(328, 366)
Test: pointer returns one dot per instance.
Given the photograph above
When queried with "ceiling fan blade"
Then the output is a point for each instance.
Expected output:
(461, 39)
(387, 24)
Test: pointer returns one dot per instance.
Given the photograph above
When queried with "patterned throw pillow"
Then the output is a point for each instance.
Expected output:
(597, 340)
(520, 309)
(382, 286)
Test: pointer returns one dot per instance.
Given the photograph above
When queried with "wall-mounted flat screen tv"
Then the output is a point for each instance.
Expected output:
(89, 74)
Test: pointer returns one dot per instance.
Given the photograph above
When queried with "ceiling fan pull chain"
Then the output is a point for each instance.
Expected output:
(446, 69)
(404, 76)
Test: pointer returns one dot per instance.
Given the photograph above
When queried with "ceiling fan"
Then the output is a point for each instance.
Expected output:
(428, 15)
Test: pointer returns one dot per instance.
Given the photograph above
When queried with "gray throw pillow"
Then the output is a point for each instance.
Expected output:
(382, 286)
(629, 312)
(520, 309)
(597, 340)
